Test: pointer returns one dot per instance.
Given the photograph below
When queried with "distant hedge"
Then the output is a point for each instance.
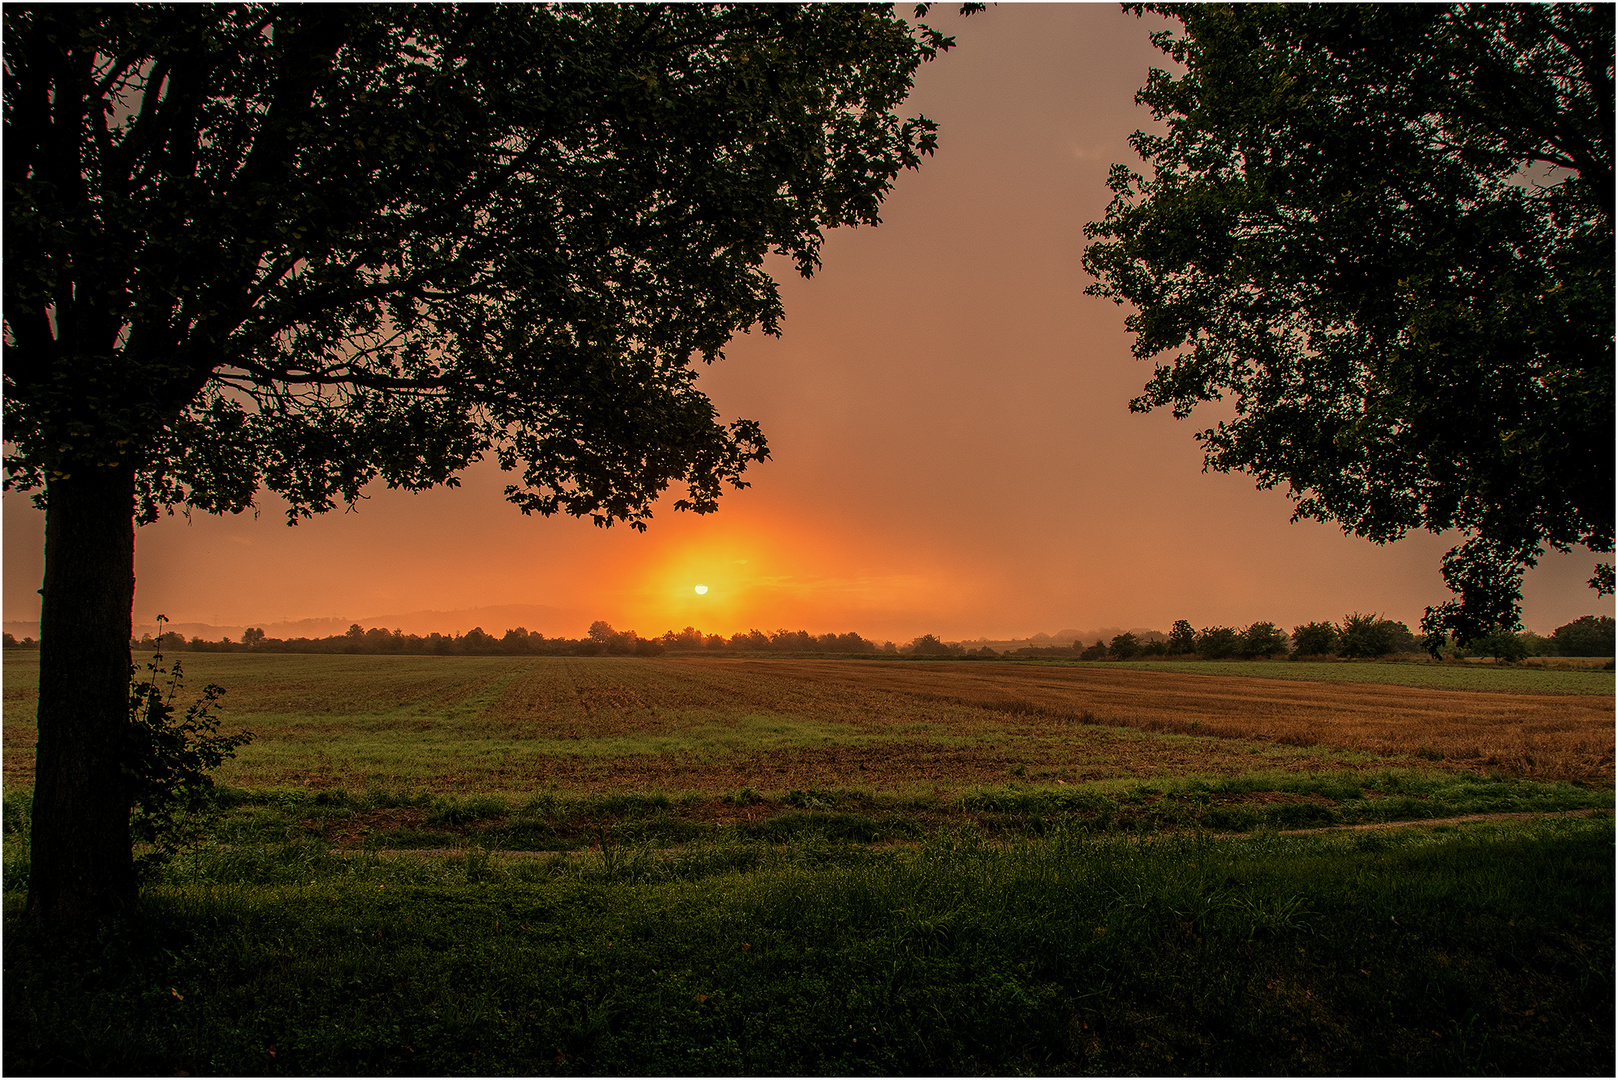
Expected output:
(1588, 635)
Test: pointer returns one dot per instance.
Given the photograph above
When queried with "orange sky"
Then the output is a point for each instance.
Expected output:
(953, 452)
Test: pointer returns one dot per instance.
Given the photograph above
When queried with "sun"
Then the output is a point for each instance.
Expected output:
(701, 589)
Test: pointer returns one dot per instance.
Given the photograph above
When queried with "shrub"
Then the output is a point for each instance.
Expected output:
(1501, 644)
(1588, 635)
(1314, 639)
(1536, 645)
(1218, 643)
(1371, 636)
(169, 759)
(1124, 646)
(929, 645)
(1263, 639)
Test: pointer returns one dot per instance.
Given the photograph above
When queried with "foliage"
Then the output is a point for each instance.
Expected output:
(1502, 644)
(1218, 643)
(1182, 639)
(1123, 647)
(1369, 636)
(1385, 231)
(332, 244)
(1315, 639)
(1263, 639)
(930, 645)
(170, 757)
(1536, 644)
(1098, 651)
(1588, 635)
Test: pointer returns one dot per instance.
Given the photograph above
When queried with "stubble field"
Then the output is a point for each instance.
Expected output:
(445, 865)
(512, 726)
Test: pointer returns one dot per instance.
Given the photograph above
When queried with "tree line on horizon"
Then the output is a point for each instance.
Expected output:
(600, 640)
(1357, 636)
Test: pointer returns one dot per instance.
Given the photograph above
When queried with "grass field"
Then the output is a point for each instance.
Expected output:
(1567, 676)
(511, 726)
(607, 866)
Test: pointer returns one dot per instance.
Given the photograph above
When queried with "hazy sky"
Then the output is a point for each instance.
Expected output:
(953, 450)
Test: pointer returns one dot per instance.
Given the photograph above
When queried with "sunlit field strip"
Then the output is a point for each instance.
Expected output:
(598, 724)
(1579, 676)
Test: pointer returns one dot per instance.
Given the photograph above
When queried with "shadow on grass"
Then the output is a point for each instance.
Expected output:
(1479, 949)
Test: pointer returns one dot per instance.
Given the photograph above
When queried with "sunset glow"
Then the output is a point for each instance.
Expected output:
(952, 450)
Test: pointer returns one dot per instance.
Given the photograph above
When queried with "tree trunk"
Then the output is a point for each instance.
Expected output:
(82, 864)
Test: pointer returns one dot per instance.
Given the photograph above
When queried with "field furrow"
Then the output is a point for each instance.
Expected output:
(700, 724)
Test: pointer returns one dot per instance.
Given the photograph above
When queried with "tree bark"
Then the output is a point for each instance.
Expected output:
(82, 863)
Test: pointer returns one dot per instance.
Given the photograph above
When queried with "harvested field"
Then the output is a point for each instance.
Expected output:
(1531, 735)
(1580, 676)
(713, 725)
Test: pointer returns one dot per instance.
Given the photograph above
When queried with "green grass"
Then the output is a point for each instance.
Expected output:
(1501, 679)
(380, 819)
(1086, 899)
(1480, 949)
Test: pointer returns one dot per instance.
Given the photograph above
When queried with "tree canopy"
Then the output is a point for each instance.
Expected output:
(310, 246)
(1382, 234)
(305, 247)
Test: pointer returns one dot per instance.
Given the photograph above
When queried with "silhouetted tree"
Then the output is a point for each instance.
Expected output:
(1123, 647)
(476, 640)
(1314, 639)
(752, 641)
(1504, 645)
(689, 638)
(1263, 639)
(1182, 639)
(929, 645)
(1588, 635)
(1218, 643)
(1098, 651)
(853, 643)
(1367, 636)
(792, 641)
(1382, 234)
(308, 246)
